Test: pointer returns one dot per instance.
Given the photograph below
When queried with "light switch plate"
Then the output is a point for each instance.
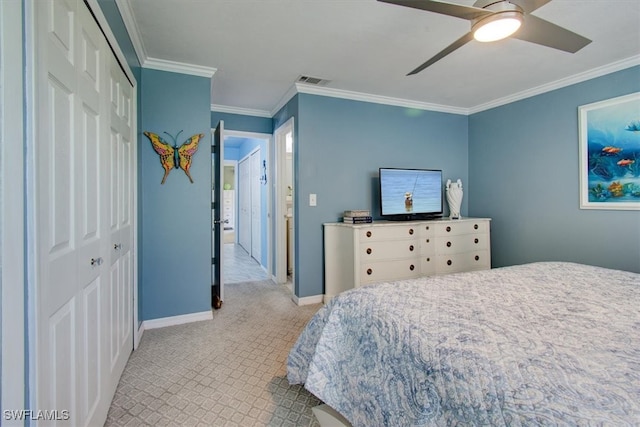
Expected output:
(312, 199)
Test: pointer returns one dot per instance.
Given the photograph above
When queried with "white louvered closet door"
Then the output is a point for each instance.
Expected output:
(83, 309)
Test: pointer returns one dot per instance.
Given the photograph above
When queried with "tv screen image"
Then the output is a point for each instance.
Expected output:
(410, 192)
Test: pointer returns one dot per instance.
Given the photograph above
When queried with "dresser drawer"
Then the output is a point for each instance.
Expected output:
(461, 243)
(427, 245)
(426, 230)
(376, 250)
(428, 265)
(463, 227)
(453, 263)
(388, 233)
(389, 270)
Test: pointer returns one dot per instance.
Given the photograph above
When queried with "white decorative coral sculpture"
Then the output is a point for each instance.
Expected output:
(454, 198)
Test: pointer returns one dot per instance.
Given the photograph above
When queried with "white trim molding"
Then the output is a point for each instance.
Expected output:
(176, 320)
(314, 299)
(568, 81)
(377, 99)
(12, 221)
(243, 111)
(179, 67)
(290, 93)
(297, 88)
(126, 11)
(96, 10)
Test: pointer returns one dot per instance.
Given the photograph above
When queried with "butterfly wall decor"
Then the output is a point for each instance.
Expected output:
(175, 157)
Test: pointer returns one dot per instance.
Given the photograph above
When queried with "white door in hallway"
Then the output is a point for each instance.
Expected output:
(83, 215)
(244, 204)
(256, 243)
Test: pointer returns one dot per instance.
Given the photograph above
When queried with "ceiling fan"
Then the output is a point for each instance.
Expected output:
(493, 20)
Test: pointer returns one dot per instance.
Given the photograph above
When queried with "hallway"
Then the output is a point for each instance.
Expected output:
(238, 266)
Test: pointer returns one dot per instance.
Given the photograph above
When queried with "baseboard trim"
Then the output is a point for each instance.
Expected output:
(314, 299)
(138, 336)
(177, 320)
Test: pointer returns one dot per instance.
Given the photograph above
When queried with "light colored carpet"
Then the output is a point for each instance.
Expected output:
(229, 371)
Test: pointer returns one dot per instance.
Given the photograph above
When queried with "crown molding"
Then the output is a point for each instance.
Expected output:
(378, 99)
(239, 110)
(290, 93)
(126, 11)
(124, 6)
(568, 81)
(179, 67)
(96, 10)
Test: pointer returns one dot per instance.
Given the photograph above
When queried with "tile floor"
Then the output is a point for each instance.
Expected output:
(239, 266)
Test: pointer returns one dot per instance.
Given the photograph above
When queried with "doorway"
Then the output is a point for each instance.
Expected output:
(285, 191)
(246, 201)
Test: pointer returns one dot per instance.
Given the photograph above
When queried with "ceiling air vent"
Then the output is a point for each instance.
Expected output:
(312, 81)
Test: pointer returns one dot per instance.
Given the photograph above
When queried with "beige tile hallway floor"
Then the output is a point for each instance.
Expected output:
(229, 371)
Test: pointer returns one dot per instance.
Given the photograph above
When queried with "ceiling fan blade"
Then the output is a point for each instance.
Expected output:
(537, 30)
(456, 10)
(446, 51)
(527, 6)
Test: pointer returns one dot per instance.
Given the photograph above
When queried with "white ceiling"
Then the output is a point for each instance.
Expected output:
(366, 48)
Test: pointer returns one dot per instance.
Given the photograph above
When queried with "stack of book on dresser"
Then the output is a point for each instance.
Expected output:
(357, 217)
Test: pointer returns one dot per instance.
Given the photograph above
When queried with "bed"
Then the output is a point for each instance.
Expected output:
(547, 343)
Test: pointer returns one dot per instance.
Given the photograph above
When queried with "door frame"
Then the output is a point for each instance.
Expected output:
(281, 202)
(269, 139)
(12, 282)
(30, 261)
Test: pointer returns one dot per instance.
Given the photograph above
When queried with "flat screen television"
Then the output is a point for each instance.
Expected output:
(407, 194)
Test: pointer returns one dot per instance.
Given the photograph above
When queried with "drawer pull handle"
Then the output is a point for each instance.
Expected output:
(411, 231)
(448, 229)
(95, 261)
(369, 251)
(427, 240)
(369, 271)
(475, 240)
(427, 227)
(411, 248)
(448, 244)
(475, 226)
(117, 246)
(449, 262)
(368, 234)
(477, 258)
(411, 267)
(428, 259)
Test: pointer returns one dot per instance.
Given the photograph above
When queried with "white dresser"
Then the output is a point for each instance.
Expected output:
(358, 254)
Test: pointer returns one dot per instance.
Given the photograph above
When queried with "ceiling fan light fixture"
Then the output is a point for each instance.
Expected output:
(497, 26)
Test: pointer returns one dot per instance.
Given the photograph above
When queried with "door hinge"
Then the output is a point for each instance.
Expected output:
(213, 260)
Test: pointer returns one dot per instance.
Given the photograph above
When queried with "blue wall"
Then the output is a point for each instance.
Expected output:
(340, 146)
(524, 173)
(176, 237)
(242, 123)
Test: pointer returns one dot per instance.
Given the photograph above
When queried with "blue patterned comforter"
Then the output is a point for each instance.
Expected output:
(536, 344)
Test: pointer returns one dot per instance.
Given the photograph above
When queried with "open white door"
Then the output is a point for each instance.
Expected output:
(217, 179)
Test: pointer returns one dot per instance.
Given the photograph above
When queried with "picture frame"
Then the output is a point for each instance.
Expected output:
(609, 138)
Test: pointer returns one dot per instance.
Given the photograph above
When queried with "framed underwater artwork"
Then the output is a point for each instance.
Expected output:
(610, 153)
